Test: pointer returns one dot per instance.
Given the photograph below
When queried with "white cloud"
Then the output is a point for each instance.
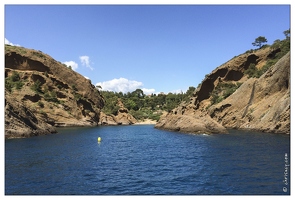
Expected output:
(85, 60)
(148, 91)
(72, 64)
(178, 91)
(123, 85)
(7, 42)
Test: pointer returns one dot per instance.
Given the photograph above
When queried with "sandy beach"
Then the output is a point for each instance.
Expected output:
(147, 121)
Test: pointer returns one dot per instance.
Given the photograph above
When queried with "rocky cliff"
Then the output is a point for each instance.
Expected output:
(47, 92)
(22, 122)
(260, 104)
(229, 98)
(123, 117)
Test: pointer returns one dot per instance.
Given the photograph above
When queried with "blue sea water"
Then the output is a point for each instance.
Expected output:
(142, 160)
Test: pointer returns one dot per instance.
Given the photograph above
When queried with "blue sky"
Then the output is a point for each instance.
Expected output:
(158, 48)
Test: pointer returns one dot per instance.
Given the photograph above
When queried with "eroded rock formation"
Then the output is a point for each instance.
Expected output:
(123, 117)
(49, 90)
(22, 122)
(258, 104)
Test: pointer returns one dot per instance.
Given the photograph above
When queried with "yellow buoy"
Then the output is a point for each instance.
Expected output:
(98, 139)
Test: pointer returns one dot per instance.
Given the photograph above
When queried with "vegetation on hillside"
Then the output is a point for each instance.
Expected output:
(282, 45)
(223, 90)
(13, 81)
(143, 106)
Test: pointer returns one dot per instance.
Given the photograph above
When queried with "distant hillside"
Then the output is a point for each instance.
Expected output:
(41, 93)
(142, 106)
(251, 91)
(121, 117)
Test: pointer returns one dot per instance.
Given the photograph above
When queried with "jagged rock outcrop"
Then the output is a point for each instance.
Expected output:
(123, 117)
(108, 119)
(188, 119)
(51, 91)
(21, 122)
(259, 104)
(231, 71)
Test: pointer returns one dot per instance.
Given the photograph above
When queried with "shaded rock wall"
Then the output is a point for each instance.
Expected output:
(21, 122)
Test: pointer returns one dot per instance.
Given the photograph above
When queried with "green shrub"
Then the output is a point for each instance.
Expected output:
(37, 87)
(41, 104)
(250, 51)
(111, 110)
(252, 71)
(38, 54)
(144, 114)
(138, 114)
(77, 96)
(8, 85)
(42, 112)
(155, 117)
(74, 88)
(216, 99)
(222, 91)
(19, 85)
(15, 76)
(13, 81)
(54, 96)
(51, 96)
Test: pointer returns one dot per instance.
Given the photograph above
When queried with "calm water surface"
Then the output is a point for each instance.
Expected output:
(143, 160)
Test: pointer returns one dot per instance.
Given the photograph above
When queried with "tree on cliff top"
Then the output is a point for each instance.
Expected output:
(287, 34)
(259, 41)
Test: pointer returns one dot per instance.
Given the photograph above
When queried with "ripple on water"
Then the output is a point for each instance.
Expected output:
(143, 160)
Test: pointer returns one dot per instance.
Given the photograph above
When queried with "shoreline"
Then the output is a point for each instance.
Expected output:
(146, 121)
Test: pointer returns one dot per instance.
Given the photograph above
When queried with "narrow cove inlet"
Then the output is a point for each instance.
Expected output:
(141, 100)
(142, 160)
